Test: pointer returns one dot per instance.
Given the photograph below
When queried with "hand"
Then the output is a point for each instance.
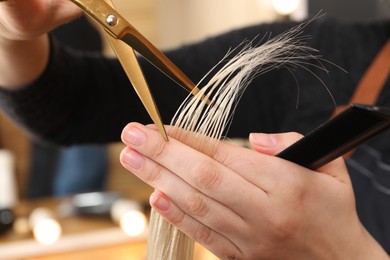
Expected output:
(243, 204)
(24, 45)
(23, 20)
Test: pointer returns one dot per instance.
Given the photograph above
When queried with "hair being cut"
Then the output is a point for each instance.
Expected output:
(211, 121)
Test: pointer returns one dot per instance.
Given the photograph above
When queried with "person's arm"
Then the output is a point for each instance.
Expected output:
(245, 204)
(83, 98)
(24, 45)
(86, 98)
(22, 61)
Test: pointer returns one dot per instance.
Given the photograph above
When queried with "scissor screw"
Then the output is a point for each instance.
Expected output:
(112, 20)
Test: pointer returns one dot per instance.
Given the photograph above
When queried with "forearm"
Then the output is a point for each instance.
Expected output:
(23, 37)
(22, 62)
(69, 104)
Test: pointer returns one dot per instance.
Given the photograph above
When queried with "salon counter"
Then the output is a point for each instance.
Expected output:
(82, 238)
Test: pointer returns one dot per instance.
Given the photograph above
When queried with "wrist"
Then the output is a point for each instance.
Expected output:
(352, 242)
(369, 248)
(22, 61)
(360, 245)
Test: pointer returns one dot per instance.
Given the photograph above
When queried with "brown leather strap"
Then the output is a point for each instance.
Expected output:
(373, 80)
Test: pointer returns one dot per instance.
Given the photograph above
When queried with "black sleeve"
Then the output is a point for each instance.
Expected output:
(78, 99)
(85, 98)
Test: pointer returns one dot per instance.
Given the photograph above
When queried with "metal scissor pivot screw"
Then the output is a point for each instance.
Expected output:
(112, 20)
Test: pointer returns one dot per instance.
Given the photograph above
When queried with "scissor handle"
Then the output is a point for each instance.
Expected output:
(104, 14)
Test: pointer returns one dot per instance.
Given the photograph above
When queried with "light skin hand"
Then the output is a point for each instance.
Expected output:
(245, 204)
(24, 45)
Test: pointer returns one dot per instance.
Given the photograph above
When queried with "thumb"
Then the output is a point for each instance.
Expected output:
(272, 144)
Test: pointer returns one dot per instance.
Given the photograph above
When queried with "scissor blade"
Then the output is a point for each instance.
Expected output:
(158, 59)
(103, 12)
(133, 70)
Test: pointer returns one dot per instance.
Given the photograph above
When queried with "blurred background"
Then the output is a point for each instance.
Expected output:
(43, 172)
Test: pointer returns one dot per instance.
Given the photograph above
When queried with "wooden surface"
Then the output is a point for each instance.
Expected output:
(83, 238)
(129, 251)
(80, 235)
(16, 141)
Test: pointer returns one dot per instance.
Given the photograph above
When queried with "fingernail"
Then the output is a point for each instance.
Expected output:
(135, 136)
(134, 159)
(158, 201)
(265, 140)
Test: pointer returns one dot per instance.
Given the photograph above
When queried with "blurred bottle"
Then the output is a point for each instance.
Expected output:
(8, 195)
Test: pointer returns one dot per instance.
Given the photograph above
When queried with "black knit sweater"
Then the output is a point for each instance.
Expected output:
(83, 97)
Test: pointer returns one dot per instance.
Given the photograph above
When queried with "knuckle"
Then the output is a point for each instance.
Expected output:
(204, 236)
(153, 175)
(285, 227)
(298, 192)
(197, 206)
(159, 150)
(206, 176)
(178, 219)
(231, 257)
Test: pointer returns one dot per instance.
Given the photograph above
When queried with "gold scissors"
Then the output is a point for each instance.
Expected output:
(124, 40)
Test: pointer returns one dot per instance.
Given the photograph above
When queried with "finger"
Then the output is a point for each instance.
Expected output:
(337, 169)
(190, 200)
(264, 172)
(66, 12)
(28, 19)
(273, 143)
(198, 170)
(213, 241)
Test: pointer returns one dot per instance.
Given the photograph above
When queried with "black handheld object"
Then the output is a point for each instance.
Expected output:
(7, 218)
(338, 136)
